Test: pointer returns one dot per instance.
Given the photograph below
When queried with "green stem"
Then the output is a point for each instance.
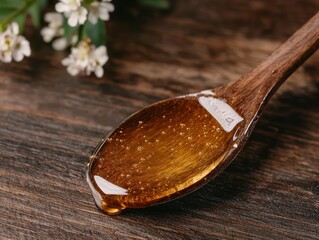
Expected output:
(81, 32)
(16, 14)
(87, 2)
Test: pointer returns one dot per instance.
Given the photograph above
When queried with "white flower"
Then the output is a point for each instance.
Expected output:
(100, 10)
(47, 34)
(78, 60)
(13, 29)
(67, 5)
(60, 44)
(97, 59)
(13, 45)
(55, 20)
(73, 10)
(86, 58)
(54, 28)
(77, 17)
(55, 31)
(6, 44)
(21, 48)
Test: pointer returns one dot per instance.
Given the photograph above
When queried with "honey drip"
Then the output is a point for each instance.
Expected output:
(165, 150)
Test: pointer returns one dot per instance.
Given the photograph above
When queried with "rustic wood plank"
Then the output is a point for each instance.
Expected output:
(50, 122)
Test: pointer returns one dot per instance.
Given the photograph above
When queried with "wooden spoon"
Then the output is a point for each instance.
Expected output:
(173, 147)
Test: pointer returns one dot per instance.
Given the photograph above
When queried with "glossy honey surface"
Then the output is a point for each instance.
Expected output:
(159, 152)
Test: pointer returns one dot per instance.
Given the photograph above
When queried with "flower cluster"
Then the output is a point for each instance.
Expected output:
(75, 24)
(55, 31)
(13, 45)
(73, 10)
(100, 10)
(85, 57)
(78, 14)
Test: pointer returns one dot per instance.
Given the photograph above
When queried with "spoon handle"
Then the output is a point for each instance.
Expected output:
(257, 86)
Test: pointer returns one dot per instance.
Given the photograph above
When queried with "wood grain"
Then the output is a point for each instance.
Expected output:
(50, 123)
(258, 85)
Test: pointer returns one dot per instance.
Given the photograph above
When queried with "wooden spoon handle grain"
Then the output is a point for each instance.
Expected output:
(287, 58)
(257, 86)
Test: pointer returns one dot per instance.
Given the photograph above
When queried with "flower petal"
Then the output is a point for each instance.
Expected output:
(61, 7)
(99, 72)
(60, 44)
(73, 19)
(72, 70)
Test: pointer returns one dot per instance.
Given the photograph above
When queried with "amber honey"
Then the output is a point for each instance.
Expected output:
(172, 147)
(162, 151)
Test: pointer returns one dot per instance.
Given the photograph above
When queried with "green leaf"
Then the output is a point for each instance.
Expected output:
(68, 30)
(5, 12)
(161, 4)
(16, 11)
(21, 20)
(12, 3)
(7, 7)
(97, 33)
(34, 11)
(42, 3)
(87, 2)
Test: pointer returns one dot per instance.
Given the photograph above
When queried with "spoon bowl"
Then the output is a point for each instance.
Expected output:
(139, 165)
(173, 147)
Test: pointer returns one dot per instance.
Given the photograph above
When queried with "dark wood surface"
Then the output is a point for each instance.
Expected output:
(50, 122)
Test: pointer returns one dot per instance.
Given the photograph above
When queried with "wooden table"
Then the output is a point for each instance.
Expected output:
(50, 122)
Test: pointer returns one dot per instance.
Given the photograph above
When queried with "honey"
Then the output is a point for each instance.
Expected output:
(163, 151)
(173, 147)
